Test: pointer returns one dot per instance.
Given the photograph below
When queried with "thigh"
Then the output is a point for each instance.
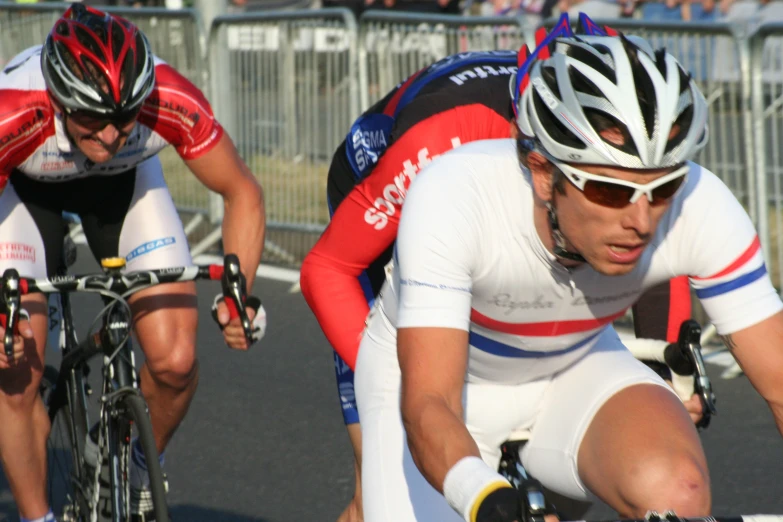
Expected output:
(31, 227)
(131, 215)
(572, 400)
(393, 489)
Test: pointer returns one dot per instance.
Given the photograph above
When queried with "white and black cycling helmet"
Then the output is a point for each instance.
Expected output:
(97, 62)
(572, 86)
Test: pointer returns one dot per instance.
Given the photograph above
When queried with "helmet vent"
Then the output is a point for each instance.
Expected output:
(69, 60)
(583, 55)
(116, 40)
(62, 29)
(89, 42)
(556, 129)
(681, 125)
(601, 121)
(550, 77)
(645, 89)
(583, 84)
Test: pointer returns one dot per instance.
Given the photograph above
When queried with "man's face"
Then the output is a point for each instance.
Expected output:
(612, 240)
(95, 136)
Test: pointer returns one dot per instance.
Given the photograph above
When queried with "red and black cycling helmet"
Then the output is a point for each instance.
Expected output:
(97, 62)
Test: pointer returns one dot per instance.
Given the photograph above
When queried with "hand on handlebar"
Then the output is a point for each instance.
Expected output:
(241, 317)
(25, 331)
(233, 331)
(695, 408)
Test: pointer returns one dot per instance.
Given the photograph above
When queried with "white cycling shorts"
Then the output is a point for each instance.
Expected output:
(130, 215)
(557, 411)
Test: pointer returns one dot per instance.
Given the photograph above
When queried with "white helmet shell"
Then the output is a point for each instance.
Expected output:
(590, 83)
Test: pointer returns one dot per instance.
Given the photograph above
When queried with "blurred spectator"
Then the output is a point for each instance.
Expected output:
(595, 9)
(665, 10)
(357, 6)
(418, 6)
(699, 11)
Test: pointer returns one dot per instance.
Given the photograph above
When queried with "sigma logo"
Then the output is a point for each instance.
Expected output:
(394, 193)
(367, 146)
(545, 93)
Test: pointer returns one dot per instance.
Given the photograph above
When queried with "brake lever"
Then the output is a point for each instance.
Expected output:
(234, 289)
(12, 302)
(689, 342)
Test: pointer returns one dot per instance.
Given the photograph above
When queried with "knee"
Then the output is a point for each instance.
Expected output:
(679, 483)
(177, 369)
(19, 389)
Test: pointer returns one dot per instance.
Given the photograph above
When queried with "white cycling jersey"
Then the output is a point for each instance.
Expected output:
(468, 256)
(543, 355)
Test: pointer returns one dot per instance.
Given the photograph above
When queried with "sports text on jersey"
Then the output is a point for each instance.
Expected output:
(393, 194)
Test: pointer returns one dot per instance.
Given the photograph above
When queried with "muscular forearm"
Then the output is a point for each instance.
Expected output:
(437, 437)
(244, 225)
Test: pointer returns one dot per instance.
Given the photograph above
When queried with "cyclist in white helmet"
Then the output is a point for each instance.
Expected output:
(497, 314)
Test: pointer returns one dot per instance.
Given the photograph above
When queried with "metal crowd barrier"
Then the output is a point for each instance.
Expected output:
(394, 45)
(285, 86)
(766, 75)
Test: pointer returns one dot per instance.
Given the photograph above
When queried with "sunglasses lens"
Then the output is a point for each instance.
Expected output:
(99, 121)
(608, 194)
(663, 193)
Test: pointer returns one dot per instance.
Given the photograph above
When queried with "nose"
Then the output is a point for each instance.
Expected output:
(638, 216)
(108, 135)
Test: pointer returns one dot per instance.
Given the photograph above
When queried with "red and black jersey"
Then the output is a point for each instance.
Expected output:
(459, 99)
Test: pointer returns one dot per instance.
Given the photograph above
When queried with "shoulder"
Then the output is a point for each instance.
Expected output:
(173, 87)
(477, 81)
(703, 191)
(179, 112)
(472, 171)
(26, 113)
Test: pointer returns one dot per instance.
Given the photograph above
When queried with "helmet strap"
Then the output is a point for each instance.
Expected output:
(558, 237)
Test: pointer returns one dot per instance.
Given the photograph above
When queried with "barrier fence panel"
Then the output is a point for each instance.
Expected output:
(285, 86)
(392, 46)
(766, 46)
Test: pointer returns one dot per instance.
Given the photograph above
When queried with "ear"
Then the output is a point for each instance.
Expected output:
(56, 105)
(541, 172)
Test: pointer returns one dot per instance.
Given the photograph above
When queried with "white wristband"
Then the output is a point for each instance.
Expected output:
(468, 481)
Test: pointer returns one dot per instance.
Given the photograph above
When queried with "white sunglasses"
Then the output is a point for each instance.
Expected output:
(616, 193)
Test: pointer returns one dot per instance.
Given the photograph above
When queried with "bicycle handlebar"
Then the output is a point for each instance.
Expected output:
(654, 517)
(685, 361)
(13, 287)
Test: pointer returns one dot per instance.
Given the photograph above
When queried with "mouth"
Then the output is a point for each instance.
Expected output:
(628, 253)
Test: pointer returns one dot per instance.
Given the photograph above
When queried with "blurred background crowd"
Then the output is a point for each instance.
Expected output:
(745, 11)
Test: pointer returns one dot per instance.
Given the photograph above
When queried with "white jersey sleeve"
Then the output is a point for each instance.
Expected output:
(438, 240)
(723, 255)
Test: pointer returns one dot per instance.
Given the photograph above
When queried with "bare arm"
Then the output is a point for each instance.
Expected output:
(759, 351)
(222, 171)
(433, 363)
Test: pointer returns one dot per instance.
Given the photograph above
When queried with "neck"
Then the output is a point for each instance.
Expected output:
(544, 231)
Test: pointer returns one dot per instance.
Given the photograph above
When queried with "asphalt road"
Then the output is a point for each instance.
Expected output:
(264, 439)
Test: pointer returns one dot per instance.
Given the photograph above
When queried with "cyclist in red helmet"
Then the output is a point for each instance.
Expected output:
(82, 119)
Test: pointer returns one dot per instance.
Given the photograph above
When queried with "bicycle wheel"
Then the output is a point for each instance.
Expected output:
(133, 419)
(65, 400)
